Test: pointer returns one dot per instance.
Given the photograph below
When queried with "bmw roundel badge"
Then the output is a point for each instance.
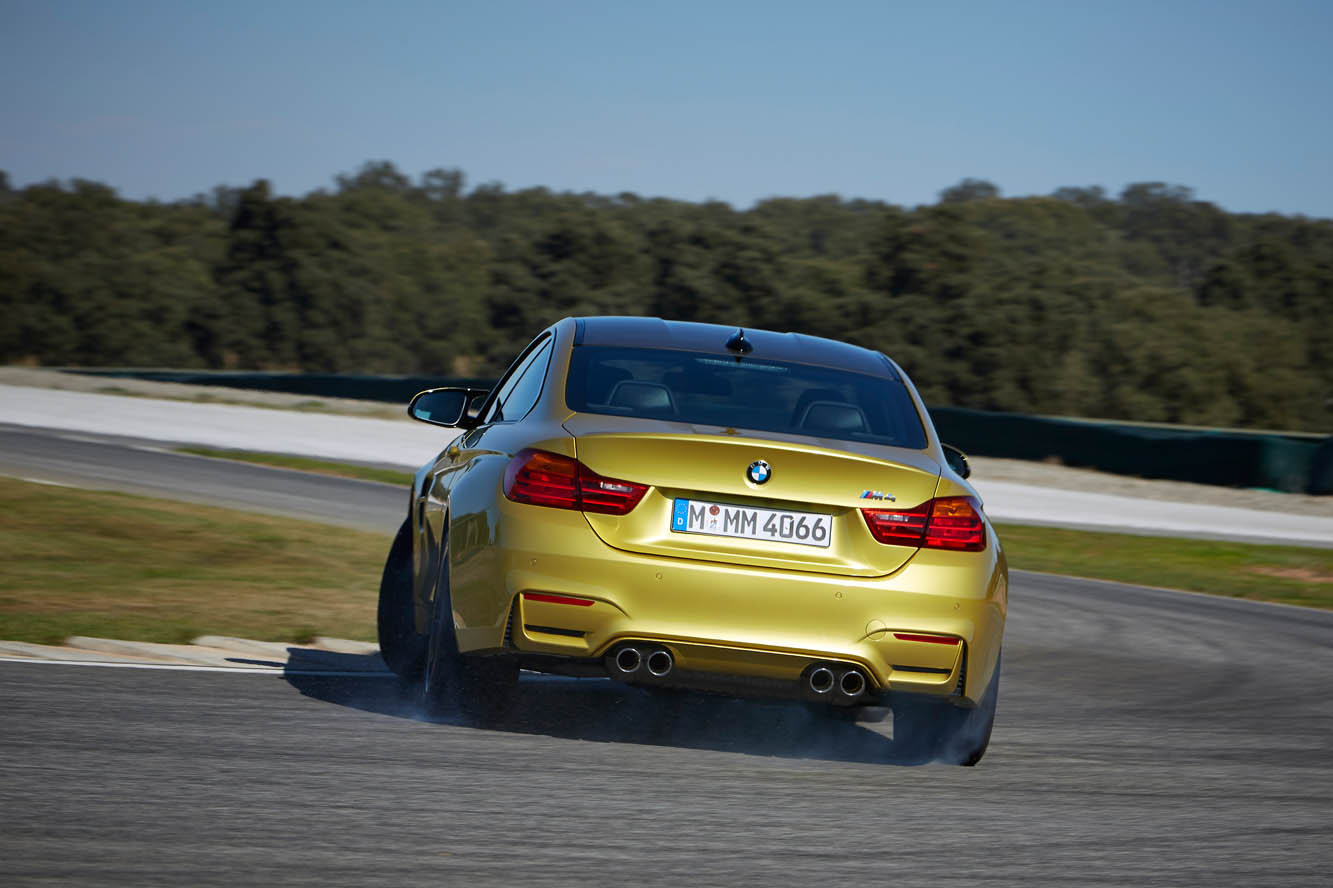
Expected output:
(758, 472)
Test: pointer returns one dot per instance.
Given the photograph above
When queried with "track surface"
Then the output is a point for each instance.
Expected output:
(1143, 737)
(103, 462)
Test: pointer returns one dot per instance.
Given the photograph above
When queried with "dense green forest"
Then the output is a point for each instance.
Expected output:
(1147, 306)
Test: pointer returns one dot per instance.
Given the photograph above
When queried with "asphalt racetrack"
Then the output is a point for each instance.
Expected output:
(1144, 737)
(150, 468)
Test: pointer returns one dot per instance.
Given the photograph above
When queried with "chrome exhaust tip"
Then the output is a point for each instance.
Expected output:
(821, 680)
(852, 683)
(628, 660)
(659, 663)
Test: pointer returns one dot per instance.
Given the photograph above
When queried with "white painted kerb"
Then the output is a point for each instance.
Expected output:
(320, 435)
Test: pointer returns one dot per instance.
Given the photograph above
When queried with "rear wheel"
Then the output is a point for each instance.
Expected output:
(939, 730)
(480, 689)
(400, 646)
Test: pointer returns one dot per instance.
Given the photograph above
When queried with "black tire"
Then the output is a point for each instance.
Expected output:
(402, 649)
(480, 689)
(940, 731)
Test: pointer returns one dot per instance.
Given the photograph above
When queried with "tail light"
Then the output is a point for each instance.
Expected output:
(949, 522)
(549, 479)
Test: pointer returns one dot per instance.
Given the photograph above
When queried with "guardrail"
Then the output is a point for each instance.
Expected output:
(1278, 461)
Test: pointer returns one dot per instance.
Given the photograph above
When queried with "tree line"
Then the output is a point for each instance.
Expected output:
(1150, 305)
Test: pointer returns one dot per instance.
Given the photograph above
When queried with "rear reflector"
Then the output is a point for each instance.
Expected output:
(556, 599)
(950, 522)
(931, 639)
(549, 479)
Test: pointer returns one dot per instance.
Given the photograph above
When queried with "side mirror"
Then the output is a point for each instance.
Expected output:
(446, 407)
(957, 460)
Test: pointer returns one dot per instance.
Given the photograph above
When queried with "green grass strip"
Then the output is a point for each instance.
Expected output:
(79, 562)
(1285, 574)
(304, 464)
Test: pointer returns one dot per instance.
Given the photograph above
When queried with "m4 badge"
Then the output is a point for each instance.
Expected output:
(879, 495)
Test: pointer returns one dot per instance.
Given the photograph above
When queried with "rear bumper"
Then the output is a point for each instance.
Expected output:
(564, 593)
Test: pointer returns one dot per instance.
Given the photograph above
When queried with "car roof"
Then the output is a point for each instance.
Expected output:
(798, 348)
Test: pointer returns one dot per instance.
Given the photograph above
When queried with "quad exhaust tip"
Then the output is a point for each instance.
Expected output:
(852, 683)
(659, 663)
(628, 660)
(822, 680)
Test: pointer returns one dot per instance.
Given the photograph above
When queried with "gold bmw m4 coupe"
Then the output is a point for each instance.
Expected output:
(700, 507)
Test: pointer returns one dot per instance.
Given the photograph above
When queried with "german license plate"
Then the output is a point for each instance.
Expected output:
(776, 525)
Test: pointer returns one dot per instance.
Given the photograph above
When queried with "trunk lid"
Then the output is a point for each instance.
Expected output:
(708, 465)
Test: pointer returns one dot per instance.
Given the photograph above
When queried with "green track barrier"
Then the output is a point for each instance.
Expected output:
(1233, 459)
(1298, 463)
(1321, 472)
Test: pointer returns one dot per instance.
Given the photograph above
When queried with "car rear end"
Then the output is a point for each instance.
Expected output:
(779, 521)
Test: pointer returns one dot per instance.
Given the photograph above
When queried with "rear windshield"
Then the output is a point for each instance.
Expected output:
(766, 396)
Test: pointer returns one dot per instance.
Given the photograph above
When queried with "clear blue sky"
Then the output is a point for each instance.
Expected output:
(734, 101)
